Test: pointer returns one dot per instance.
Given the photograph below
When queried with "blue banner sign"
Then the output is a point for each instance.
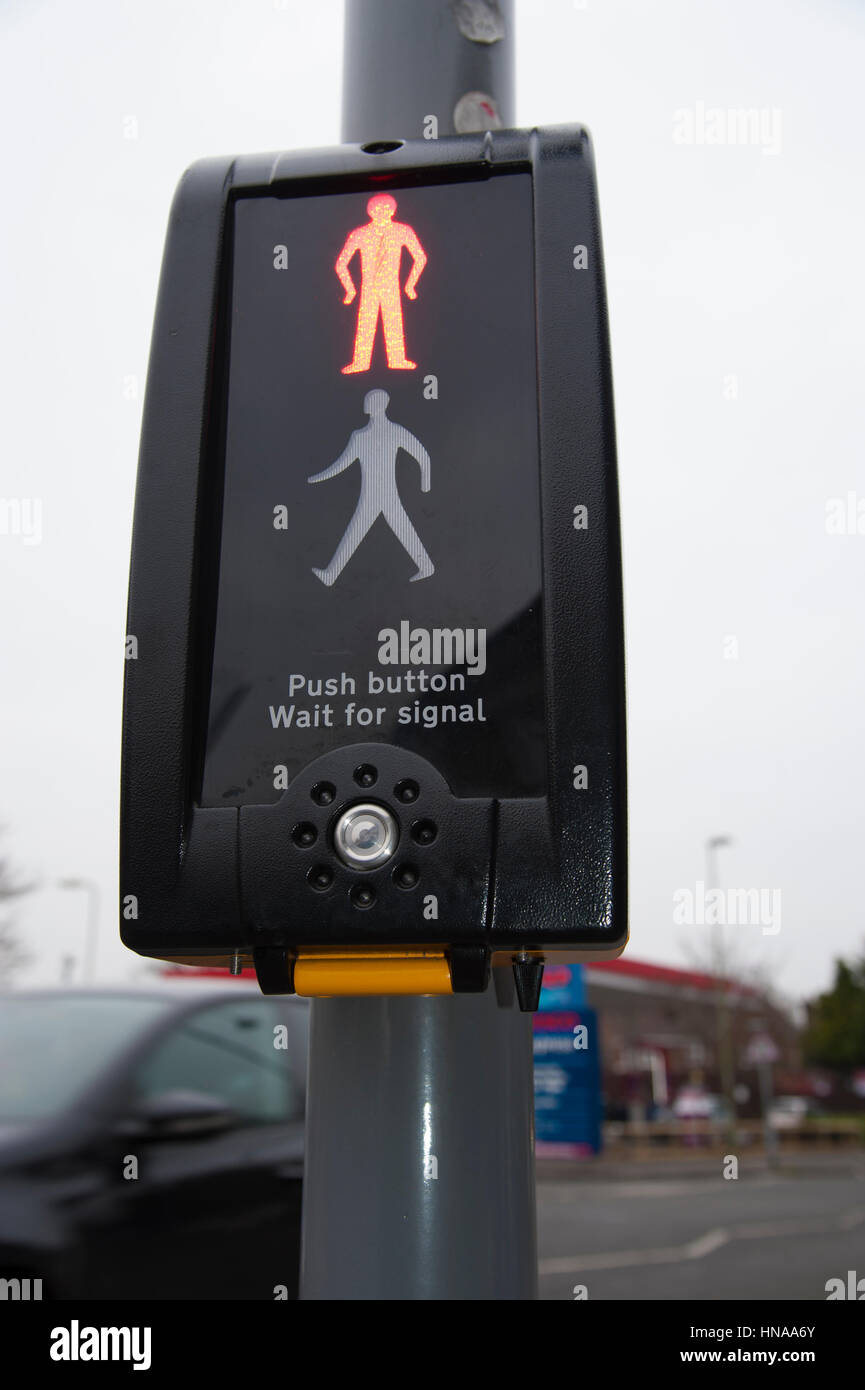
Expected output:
(567, 1068)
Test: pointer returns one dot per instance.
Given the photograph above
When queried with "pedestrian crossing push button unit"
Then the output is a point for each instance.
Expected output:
(373, 733)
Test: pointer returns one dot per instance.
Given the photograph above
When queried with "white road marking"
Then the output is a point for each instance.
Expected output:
(696, 1249)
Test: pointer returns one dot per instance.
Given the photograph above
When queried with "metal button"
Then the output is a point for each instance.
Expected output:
(366, 836)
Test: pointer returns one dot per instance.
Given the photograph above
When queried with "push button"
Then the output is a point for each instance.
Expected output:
(366, 836)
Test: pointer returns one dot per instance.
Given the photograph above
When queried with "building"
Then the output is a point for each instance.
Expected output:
(659, 1032)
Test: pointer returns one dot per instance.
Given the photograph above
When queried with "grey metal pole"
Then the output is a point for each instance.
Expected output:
(419, 1174)
(407, 60)
(770, 1137)
(92, 890)
(419, 1177)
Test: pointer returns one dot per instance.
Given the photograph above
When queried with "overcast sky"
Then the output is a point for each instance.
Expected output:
(735, 274)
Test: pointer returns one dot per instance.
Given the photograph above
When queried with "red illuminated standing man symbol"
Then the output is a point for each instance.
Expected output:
(380, 244)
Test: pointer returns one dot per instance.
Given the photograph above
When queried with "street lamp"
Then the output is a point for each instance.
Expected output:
(720, 969)
(713, 844)
(91, 888)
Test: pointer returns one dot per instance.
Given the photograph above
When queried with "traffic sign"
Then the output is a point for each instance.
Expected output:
(374, 709)
(761, 1050)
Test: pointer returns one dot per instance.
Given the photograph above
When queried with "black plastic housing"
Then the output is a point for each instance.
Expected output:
(539, 873)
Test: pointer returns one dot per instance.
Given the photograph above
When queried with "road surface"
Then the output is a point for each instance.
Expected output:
(677, 1236)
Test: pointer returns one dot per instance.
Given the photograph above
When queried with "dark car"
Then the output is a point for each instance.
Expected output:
(151, 1142)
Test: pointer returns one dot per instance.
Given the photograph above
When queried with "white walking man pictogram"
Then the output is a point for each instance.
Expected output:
(375, 448)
